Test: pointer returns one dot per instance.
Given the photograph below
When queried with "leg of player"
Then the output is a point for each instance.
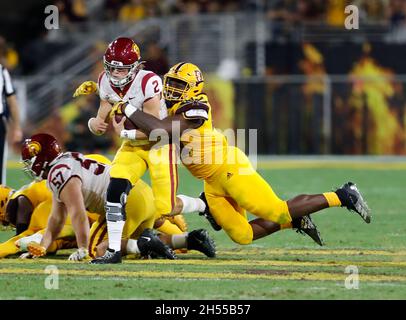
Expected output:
(147, 244)
(347, 196)
(165, 226)
(186, 204)
(262, 228)
(117, 193)
(198, 240)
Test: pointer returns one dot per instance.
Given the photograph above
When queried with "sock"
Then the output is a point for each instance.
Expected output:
(115, 230)
(132, 246)
(169, 228)
(191, 204)
(179, 241)
(287, 225)
(332, 199)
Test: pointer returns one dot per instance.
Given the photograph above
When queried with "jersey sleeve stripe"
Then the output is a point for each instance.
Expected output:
(145, 80)
(57, 167)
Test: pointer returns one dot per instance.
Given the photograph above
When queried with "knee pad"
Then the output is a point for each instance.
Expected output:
(117, 187)
(116, 199)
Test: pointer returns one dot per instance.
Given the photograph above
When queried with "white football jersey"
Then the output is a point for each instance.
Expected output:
(145, 86)
(94, 175)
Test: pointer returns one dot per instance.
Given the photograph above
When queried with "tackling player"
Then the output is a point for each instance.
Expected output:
(227, 192)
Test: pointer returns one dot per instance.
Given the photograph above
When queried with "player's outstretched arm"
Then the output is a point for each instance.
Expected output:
(56, 222)
(147, 122)
(72, 197)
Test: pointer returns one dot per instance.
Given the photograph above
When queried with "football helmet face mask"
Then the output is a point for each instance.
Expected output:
(38, 153)
(5, 193)
(122, 54)
(182, 82)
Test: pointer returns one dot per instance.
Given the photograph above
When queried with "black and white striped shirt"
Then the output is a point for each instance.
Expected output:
(6, 88)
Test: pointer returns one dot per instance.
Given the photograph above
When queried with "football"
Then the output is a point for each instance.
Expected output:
(128, 125)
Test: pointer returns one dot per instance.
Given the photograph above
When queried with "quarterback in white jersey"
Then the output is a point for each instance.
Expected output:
(144, 87)
(124, 80)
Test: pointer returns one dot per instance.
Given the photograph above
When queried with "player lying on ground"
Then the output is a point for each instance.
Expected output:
(78, 183)
(231, 186)
(28, 210)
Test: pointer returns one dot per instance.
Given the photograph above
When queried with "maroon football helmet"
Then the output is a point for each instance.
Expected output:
(122, 53)
(37, 154)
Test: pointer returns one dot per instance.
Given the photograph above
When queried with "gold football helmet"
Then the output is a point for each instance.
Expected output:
(5, 193)
(182, 82)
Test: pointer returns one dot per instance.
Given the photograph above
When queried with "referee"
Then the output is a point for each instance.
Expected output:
(8, 108)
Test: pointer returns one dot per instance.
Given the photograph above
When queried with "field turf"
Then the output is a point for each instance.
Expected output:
(285, 265)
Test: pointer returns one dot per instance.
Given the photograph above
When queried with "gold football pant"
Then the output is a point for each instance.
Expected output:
(237, 188)
(141, 214)
(131, 162)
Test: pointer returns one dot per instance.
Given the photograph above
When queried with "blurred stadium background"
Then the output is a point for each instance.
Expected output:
(288, 68)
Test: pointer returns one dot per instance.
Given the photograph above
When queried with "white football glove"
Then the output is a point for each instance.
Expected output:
(27, 255)
(79, 255)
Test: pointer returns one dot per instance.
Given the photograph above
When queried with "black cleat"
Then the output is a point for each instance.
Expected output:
(351, 198)
(206, 213)
(305, 225)
(110, 256)
(151, 246)
(200, 240)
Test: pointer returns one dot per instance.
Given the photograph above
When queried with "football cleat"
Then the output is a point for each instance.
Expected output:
(36, 250)
(151, 246)
(352, 199)
(305, 225)
(200, 240)
(206, 213)
(110, 256)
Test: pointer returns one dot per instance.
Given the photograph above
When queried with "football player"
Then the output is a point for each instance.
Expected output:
(30, 204)
(232, 186)
(28, 210)
(125, 80)
(77, 183)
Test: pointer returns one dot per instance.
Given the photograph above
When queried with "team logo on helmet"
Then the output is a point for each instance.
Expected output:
(34, 148)
(136, 49)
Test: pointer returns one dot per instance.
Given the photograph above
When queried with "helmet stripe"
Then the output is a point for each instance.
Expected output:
(178, 67)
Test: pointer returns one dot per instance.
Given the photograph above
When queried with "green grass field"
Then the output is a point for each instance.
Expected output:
(285, 265)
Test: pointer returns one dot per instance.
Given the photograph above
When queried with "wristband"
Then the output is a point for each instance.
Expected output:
(129, 134)
(129, 110)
